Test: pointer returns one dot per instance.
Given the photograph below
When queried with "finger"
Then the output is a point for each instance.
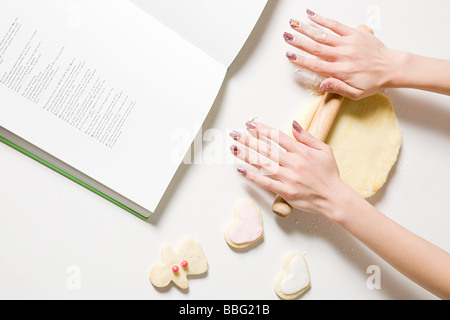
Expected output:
(305, 137)
(313, 64)
(275, 135)
(262, 147)
(340, 87)
(267, 166)
(330, 24)
(314, 33)
(311, 47)
(263, 181)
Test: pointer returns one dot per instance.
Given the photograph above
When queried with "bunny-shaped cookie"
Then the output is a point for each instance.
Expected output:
(188, 259)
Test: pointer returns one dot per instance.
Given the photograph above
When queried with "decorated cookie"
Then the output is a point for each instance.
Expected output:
(295, 278)
(188, 259)
(247, 226)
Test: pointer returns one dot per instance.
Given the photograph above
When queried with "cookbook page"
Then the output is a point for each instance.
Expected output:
(103, 87)
(218, 27)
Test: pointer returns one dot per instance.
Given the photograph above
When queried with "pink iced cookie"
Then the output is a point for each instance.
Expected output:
(246, 227)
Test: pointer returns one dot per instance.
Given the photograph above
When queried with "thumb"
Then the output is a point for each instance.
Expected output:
(305, 137)
(340, 87)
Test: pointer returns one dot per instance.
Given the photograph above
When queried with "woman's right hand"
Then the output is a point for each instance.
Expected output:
(356, 63)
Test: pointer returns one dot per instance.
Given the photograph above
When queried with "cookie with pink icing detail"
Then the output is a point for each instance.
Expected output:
(247, 226)
(177, 265)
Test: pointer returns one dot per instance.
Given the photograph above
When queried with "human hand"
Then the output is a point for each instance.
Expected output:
(356, 63)
(305, 173)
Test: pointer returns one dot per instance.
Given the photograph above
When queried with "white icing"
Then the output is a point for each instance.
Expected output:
(298, 279)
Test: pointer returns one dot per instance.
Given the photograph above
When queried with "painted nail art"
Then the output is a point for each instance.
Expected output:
(242, 171)
(235, 135)
(288, 37)
(310, 13)
(235, 150)
(297, 127)
(327, 86)
(294, 23)
(291, 56)
(250, 125)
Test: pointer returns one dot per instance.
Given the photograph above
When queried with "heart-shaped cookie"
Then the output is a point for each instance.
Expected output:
(295, 278)
(247, 226)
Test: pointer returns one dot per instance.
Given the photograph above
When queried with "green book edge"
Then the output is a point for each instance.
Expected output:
(65, 174)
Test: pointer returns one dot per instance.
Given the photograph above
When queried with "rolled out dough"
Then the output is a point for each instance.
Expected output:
(365, 139)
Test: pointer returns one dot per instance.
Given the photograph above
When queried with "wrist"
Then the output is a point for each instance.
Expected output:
(339, 204)
(399, 69)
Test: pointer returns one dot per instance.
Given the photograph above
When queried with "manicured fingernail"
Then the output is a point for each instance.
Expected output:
(250, 125)
(327, 86)
(235, 150)
(297, 127)
(310, 13)
(242, 171)
(294, 23)
(288, 37)
(291, 56)
(235, 135)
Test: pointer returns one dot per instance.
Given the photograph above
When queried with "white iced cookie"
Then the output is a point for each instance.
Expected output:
(247, 226)
(188, 259)
(295, 279)
(365, 139)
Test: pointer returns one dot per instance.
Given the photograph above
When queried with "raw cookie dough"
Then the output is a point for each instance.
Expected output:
(188, 259)
(295, 279)
(365, 138)
(247, 226)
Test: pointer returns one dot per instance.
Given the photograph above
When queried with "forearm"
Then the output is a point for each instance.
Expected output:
(416, 258)
(419, 72)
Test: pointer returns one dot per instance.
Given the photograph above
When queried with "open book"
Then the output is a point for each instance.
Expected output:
(95, 89)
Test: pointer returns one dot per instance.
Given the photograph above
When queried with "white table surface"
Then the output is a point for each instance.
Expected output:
(53, 231)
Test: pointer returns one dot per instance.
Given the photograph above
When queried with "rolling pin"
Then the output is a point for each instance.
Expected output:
(320, 127)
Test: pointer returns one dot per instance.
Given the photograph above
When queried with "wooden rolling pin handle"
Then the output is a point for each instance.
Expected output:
(320, 127)
(281, 207)
(325, 115)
